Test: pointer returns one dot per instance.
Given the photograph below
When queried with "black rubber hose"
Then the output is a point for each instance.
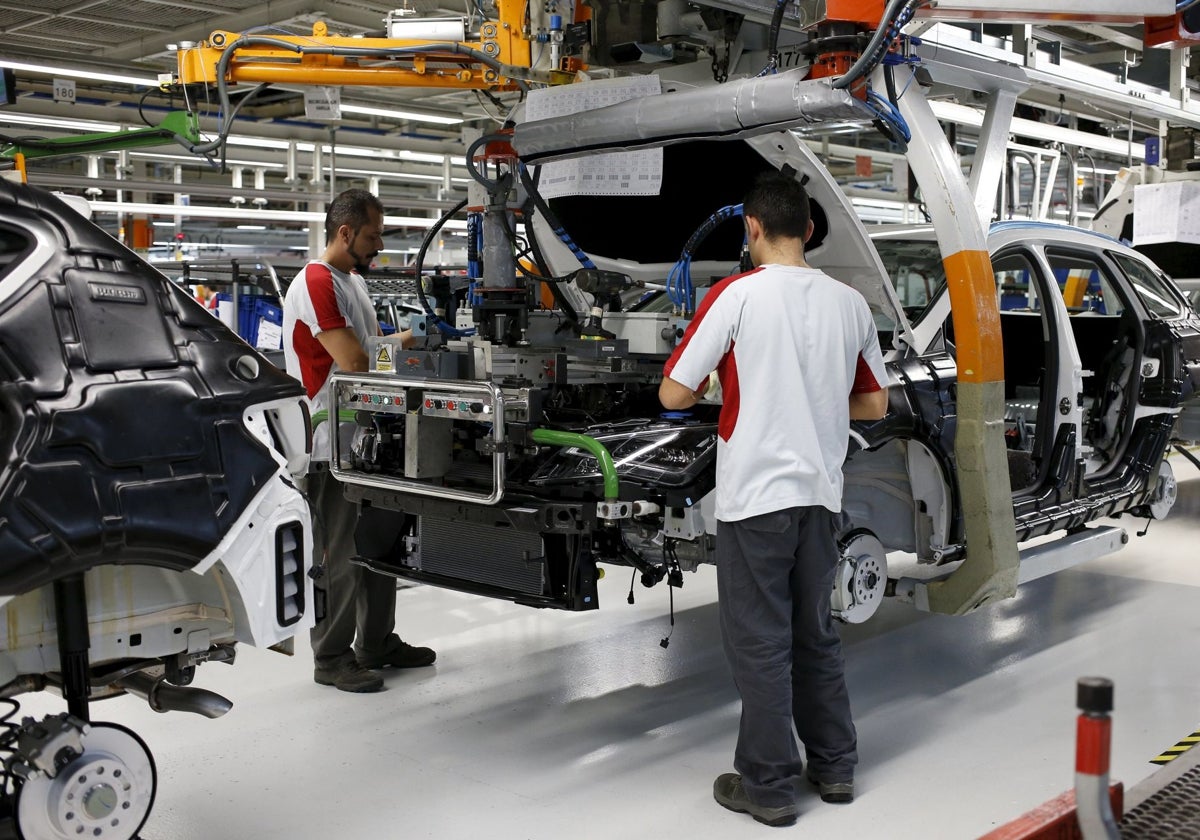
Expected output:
(889, 79)
(871, 55)
(542, 207)
(773, 38)
(425, 243)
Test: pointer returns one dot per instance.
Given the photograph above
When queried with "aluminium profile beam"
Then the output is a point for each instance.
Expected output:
(1095, 90)
(1001, 84)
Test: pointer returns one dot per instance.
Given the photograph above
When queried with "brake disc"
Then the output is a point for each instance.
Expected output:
(861, 578)
(105, 790)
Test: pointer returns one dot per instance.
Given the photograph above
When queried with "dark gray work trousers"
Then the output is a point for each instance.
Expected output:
(356, 598)
(774, 579)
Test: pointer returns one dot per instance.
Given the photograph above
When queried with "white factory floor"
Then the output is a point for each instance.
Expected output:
(551, 725)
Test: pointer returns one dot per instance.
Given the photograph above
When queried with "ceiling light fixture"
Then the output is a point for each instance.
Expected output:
(394, 176)
(966, 115)
(46, 70)
(264, 215)
(393, 114)
(58, 122)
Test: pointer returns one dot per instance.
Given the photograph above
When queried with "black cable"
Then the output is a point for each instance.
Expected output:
(889, 80)
(141, 102)
(872, 54)
(531, 190)
(544, 209)
(486, 182)
(430, 235)
(773, 38)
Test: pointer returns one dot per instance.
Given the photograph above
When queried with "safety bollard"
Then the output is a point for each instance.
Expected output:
(1093, 743)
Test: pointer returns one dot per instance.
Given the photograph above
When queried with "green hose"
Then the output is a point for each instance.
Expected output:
(607, 468)
(323, 415)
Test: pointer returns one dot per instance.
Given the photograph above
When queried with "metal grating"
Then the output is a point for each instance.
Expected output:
(1172, 813)
(166, 16)
(13, 17)
(82, 31)
(51, 6)
(402, 287)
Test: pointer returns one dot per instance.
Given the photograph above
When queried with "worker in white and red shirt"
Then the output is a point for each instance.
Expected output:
(327, 319)
(798, 357)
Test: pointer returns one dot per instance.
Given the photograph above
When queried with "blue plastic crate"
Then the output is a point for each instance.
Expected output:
(253, 311)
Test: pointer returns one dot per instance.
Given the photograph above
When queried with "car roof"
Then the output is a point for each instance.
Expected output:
(1005, 232)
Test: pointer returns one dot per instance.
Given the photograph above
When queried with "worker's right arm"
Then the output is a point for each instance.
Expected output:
(346, 349)
(869, 405)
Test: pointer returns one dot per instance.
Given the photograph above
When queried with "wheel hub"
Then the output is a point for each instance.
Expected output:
(860, 578)
(106, 791)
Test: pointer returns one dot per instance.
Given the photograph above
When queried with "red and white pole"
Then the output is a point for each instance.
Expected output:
(1093, 745)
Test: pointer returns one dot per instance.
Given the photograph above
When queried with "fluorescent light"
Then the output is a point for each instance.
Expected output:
(163, 224)
(198, 245)
(966, 115)
(391, 113)
(395, 176)
(46, 70)
(251, 227)
(422, 157)
(346, 151)
(265, 143)
(199, 161)
(257, 215)
(59, 122)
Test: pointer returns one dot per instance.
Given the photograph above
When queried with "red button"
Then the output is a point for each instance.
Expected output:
(429, 403)
(450, 405)
(396, 400)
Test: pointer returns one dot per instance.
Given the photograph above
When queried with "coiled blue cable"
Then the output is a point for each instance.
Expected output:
(680, 290)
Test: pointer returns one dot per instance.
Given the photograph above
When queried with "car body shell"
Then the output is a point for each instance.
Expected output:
(149, 453)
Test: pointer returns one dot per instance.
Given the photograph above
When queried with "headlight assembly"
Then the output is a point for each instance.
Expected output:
(665, 455)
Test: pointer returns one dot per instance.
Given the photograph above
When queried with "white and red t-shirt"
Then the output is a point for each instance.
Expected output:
(790, 345)
(322, 298)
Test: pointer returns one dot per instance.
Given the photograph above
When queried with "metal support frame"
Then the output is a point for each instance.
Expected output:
(1180, 92)
(989, 571)
(1002, 84)
(990, 152)
(1071, 550)
(388, 381)
(70, 612)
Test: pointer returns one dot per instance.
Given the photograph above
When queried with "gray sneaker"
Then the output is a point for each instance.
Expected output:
(348, 675)
(835, 792)
(728, 792)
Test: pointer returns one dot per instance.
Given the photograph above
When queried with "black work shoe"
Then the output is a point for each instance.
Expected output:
(838, 793)
(348, 675)
(402, 655)
(728, 791)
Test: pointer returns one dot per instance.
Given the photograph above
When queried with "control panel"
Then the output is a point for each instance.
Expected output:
(457, 406)
(388, 401)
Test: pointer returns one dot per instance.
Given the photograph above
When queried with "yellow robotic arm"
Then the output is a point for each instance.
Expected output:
(492, 61)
